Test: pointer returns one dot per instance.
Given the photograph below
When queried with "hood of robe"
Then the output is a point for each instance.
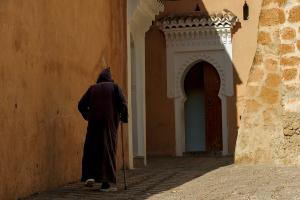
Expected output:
(105, 76)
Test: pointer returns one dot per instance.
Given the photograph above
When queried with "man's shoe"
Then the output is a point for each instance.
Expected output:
(90, 182)
(106, 187)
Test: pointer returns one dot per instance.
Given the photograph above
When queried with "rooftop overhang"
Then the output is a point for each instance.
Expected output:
(223, 19)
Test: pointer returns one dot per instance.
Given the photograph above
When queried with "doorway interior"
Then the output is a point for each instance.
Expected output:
(203, 109)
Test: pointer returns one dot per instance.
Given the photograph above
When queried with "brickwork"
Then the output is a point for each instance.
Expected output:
(269, 130)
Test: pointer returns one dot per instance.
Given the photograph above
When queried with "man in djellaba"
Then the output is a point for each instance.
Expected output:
(103, 106)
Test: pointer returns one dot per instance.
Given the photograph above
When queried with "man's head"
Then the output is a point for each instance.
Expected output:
(105, 76)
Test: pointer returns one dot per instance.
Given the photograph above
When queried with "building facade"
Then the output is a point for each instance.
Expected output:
(51, 52)
(198, 78)
(188, 35)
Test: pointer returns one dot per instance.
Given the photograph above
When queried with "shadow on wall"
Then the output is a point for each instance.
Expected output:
(162, 126)
(161, 109)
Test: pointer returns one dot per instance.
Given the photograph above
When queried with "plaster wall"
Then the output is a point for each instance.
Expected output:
(244, 46)
(159, 108)
(51, 52)
(140, 16)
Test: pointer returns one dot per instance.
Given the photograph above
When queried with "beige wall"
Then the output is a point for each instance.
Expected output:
(50, 53)
(244, 46)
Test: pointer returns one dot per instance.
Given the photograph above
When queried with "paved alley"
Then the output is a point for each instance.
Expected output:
(193, 178)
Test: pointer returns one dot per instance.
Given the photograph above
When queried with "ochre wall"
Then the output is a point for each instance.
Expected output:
(244, 45)
(159, 109)
(50, 53)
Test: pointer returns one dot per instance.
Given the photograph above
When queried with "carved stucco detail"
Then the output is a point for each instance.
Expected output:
(223, 19)
(195, 37)
(188, 63)
(143, 12)
(190, 39)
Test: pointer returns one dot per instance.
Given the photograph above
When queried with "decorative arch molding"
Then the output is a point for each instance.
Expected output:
(180, 62)
(191, 38)
(188, 62)
(141, 13)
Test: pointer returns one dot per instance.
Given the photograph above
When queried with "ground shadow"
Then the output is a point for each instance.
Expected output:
(161, 174)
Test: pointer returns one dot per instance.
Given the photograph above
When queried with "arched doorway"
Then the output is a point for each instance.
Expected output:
(203, 112)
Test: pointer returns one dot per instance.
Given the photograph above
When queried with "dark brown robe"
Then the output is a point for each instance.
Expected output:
(103, 105)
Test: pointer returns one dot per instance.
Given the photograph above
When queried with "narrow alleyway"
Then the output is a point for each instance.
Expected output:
(193, 178)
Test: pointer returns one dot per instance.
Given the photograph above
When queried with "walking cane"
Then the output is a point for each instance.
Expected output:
(124, 170)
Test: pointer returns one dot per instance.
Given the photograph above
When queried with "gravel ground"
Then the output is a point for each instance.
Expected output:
(209, 178)
(240, 182)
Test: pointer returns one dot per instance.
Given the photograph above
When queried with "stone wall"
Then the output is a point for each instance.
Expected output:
(290, 62)
(270, 122)
(51, 51)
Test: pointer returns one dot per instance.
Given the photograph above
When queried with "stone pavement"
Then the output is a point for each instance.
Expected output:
(211, 178)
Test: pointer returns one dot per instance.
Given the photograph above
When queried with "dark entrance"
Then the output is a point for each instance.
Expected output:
(203, 112)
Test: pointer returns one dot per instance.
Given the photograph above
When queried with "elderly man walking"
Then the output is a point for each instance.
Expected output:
(103, 106)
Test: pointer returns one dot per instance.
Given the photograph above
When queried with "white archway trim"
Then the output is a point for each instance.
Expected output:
(194, 37)
(180, 98)
(189, 60)
(198, 33)
(140, 15)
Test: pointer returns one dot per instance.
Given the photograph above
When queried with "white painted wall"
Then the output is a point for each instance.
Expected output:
(141, 13)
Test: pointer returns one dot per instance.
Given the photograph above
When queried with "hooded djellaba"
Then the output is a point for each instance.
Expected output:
(103, 106)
